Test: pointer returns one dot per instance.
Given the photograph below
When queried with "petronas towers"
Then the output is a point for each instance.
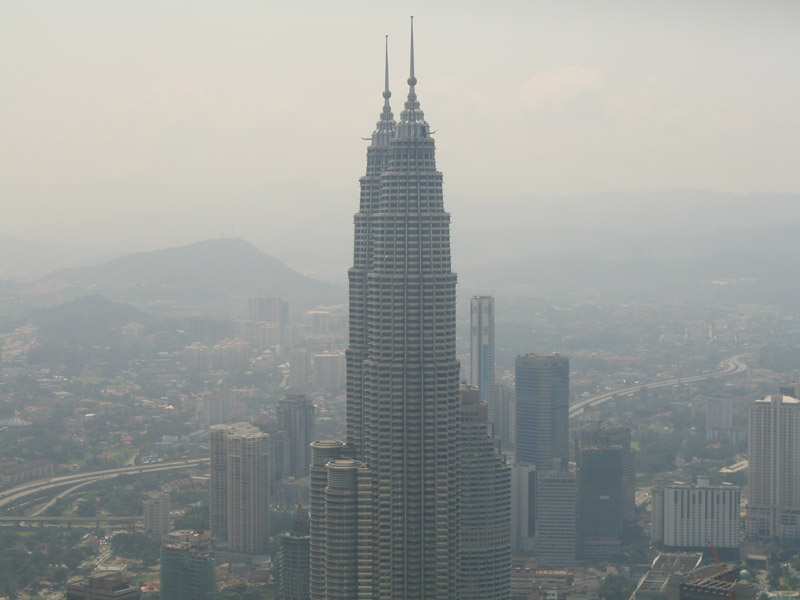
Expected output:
(387, 503)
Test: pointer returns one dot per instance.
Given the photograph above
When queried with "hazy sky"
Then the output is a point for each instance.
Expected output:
(111, 106)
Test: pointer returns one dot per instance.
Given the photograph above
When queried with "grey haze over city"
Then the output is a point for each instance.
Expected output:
(618, 128)
(305, 301)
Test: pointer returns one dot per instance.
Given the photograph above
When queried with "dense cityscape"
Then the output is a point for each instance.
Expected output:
(204, 422)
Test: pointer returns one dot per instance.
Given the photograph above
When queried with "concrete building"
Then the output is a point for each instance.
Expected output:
(322, 452)
(773, 509)
(239, 487)
(687, 516)
(506, 414)
(299, 369)
(105, 585)
(349, 554)
(402, 372)
(481, 351)
(523, 507)
(555, 518)
(600, 491)
(485, 506)
(156, 513)
(268, 310)
(320, 321)
(719, 420)
(296, 418)
(292, 562)
(188, 566)
(617, 437)
(329, 371)
(542, 423)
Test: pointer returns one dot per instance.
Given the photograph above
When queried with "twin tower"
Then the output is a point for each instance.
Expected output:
(385, 511)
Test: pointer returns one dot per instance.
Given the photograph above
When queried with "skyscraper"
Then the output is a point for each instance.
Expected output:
(542, 421)
(485, 506)
(773, 507)
(296, 418)
(402, 372)
(481, 350)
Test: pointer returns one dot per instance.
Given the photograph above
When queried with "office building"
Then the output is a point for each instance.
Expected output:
(688, 516)
(523, 508)
(240, 490)
(156, 513)
(485, 506)
(105, 585)
(481, 350)
(322, 452)
(402, 372)
(618, 439)
(349, 554)
(506, 414)
(292, 562)
(773, 508)
(555, 517)
(599, 501)
(296, 418)
(188, 567)
(542, 420)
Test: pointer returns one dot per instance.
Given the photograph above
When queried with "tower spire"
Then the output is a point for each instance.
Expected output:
(412, 81)
(412, 119)
(384, 130)
(386, 92)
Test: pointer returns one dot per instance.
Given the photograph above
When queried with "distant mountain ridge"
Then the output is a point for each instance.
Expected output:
(207, 271)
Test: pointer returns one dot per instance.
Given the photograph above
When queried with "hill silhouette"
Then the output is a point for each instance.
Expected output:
(207, 271)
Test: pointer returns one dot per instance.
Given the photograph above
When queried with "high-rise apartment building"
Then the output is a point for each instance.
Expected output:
(481, 350)
(296, 418)
(485, 506)
(239, 487)
(688, 516)
(719, 419)
(402, 372)
(156, 513)
(542, 416)
(773, 508)
(188, 567)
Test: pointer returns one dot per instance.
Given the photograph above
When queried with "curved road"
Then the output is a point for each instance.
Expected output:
(15, 494)
(731, 366)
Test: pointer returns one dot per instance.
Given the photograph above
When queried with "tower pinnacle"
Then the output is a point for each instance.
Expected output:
(384, 130)
(412, 81)
(412, 119)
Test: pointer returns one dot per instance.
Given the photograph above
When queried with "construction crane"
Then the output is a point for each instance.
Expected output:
(721, 570)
